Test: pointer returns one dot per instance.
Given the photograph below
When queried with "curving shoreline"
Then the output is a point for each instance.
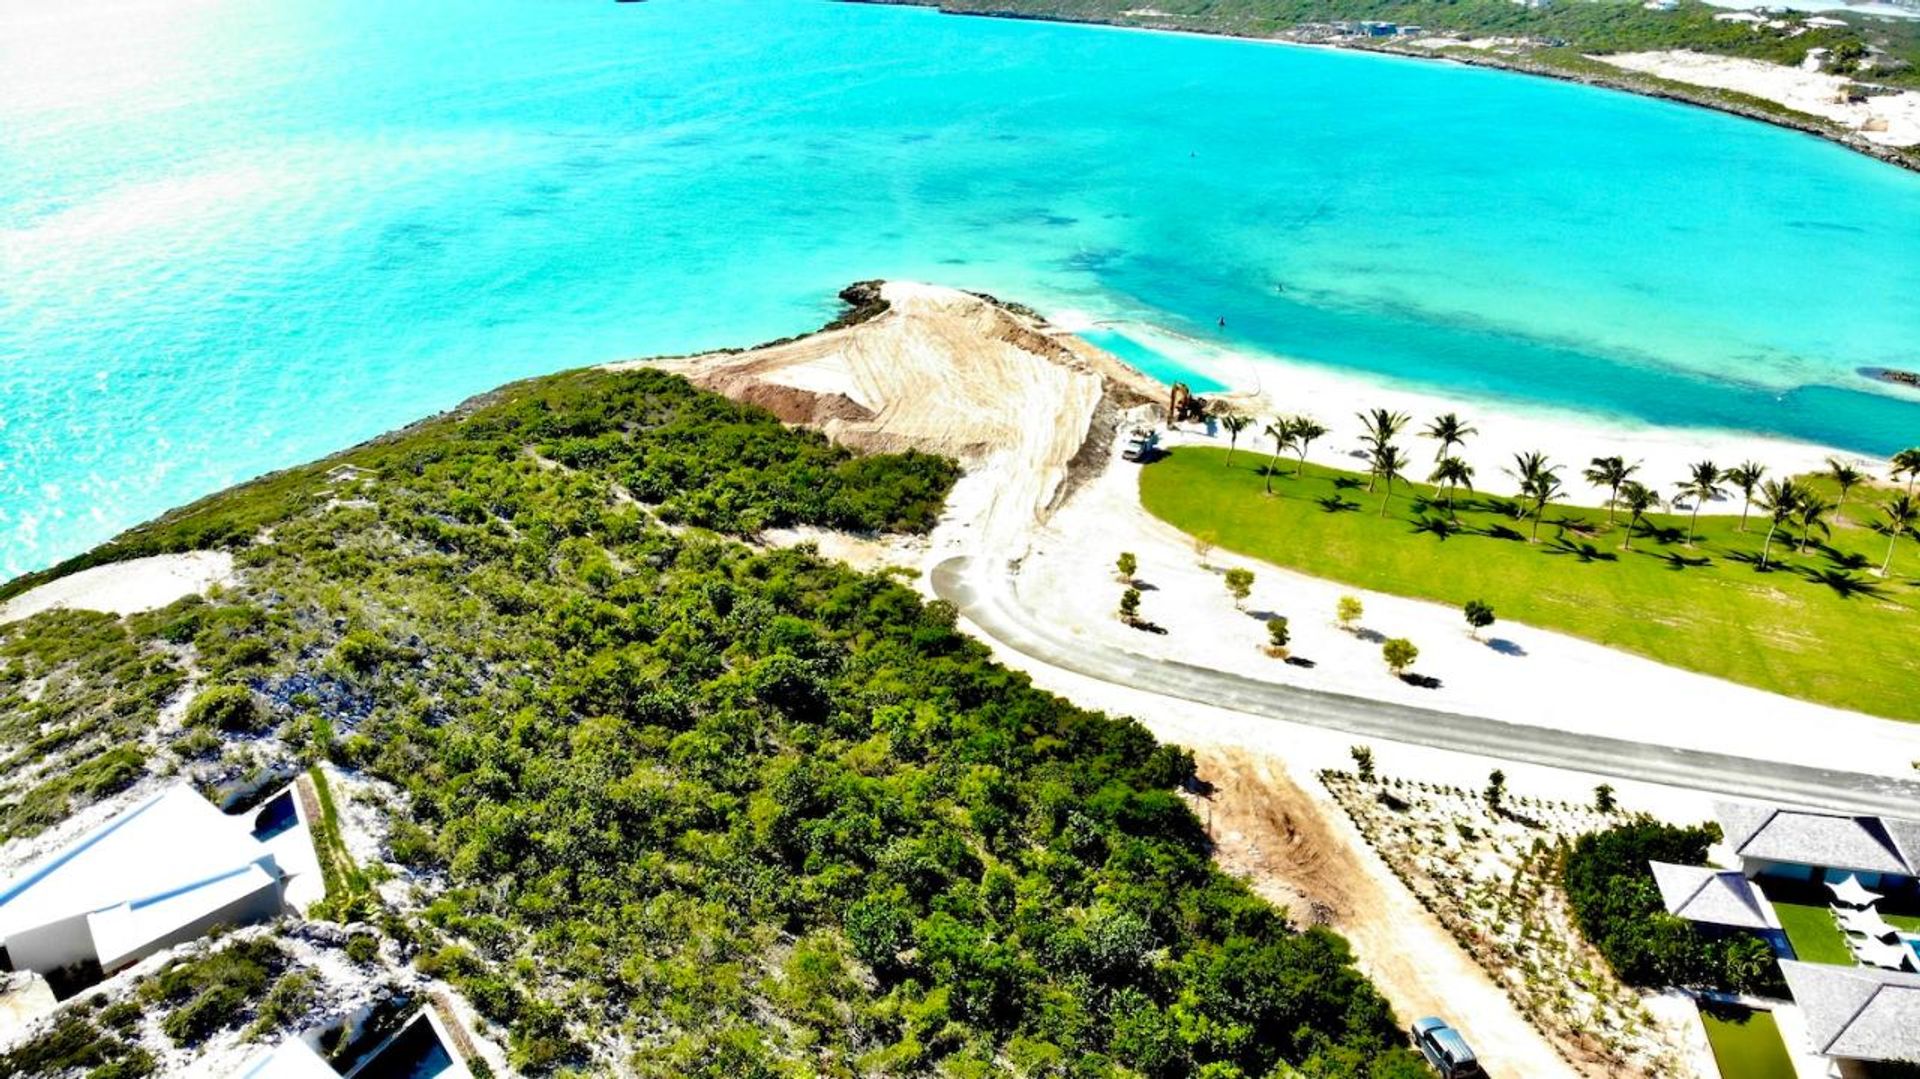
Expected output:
(1626, 82)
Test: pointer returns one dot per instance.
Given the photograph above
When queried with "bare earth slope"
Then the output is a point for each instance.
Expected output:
(947, 372)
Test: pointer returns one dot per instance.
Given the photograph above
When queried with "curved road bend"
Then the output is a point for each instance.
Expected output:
(985, 595)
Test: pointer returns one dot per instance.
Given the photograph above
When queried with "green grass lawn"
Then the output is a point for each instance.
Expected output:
(1818, 625)
(1746, 1043)
(1815, 937)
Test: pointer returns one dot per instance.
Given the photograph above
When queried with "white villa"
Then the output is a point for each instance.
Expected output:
(163, 871)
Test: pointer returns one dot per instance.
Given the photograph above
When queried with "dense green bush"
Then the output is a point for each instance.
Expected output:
(210, 992)
(1617, 905)
(745, 812)
(225, 708)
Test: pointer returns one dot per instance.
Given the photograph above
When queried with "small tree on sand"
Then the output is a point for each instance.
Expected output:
(1479, 616)
(1348, 611)
(1239, 585)
(1399, 654)
(1603, 799)
(1130, 606)
(1277, 637)
(1203, 545)
(1362, 762)
(1127, 564)
(1496, 789)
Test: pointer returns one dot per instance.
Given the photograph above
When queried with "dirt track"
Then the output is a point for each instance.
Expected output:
(1300, 853)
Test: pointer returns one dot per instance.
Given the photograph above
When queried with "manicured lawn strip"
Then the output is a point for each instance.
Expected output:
(1909, 923)
(1818, 625)
(1813, 933)
(1746, 1044)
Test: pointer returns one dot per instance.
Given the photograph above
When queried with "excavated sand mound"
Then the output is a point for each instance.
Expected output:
(946, 372)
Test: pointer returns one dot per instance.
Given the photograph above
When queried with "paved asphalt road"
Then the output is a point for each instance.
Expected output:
(984, 593)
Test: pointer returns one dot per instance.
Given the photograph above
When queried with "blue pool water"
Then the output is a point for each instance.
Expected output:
(237, 235)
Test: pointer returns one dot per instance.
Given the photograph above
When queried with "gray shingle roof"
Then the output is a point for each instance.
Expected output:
(1714, 896)
(1828, 840)
(1860, 1013)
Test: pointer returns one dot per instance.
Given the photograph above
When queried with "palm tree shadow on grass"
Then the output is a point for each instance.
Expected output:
(1438, 527)
(1667, 536)
(1345, 483)
(1336, 504)
(1584, 551)
(1502, 532)
(1844, 584)
(1676, 561)
(1846, 560)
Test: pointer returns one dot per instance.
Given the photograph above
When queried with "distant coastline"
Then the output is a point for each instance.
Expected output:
(1732, 103)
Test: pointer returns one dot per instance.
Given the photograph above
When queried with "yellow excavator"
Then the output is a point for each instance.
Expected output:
(1182, 405)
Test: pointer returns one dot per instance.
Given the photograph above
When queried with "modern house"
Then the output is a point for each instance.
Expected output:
(1857, 1013)
(1720, 898)
(1807, 845)
(1830, 870)
(163, 871)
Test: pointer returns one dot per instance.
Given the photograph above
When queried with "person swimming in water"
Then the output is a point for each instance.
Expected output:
(1223, 322)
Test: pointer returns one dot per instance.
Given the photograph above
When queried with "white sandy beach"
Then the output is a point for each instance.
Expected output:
(138, 584)
(1264, 386)
(1890, 119)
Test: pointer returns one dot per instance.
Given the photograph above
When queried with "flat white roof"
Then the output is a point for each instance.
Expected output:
(120, 931)
(173, 841)
(291, 1059)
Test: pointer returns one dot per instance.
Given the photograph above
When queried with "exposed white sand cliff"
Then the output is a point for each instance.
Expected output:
(138, 584)
(1889, 119)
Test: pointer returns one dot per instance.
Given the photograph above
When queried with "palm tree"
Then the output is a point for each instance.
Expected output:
(1780, 498)
(1450, 431)
(1305, 429)
(1908, 461)
(1702, 483)
(1638, 498)
(1455, 473)
(1811, 513)
(1846, 477)
(1281, 431)
(1746, 476)
(1610, 472)
(1234, 423)
(1381, 427)
(1389, 464)
(1539, 482)
(1902, 514)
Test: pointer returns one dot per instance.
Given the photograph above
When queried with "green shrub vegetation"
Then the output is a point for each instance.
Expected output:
(1601, 27)
(77, 688)
(1817, 625)
(214, 991)
(226, 708)
(744, 813)
(1617, 906)
(76, 1043)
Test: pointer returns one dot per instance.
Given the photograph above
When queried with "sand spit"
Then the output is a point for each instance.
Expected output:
(1265, 386)
(1886, 119)
(138, 584)
(951, 372)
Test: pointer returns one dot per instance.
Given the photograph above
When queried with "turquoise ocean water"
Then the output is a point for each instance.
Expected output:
(234, 236)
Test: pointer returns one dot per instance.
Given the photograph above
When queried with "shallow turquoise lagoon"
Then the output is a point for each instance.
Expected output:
(1152, 361)
(234, 235)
